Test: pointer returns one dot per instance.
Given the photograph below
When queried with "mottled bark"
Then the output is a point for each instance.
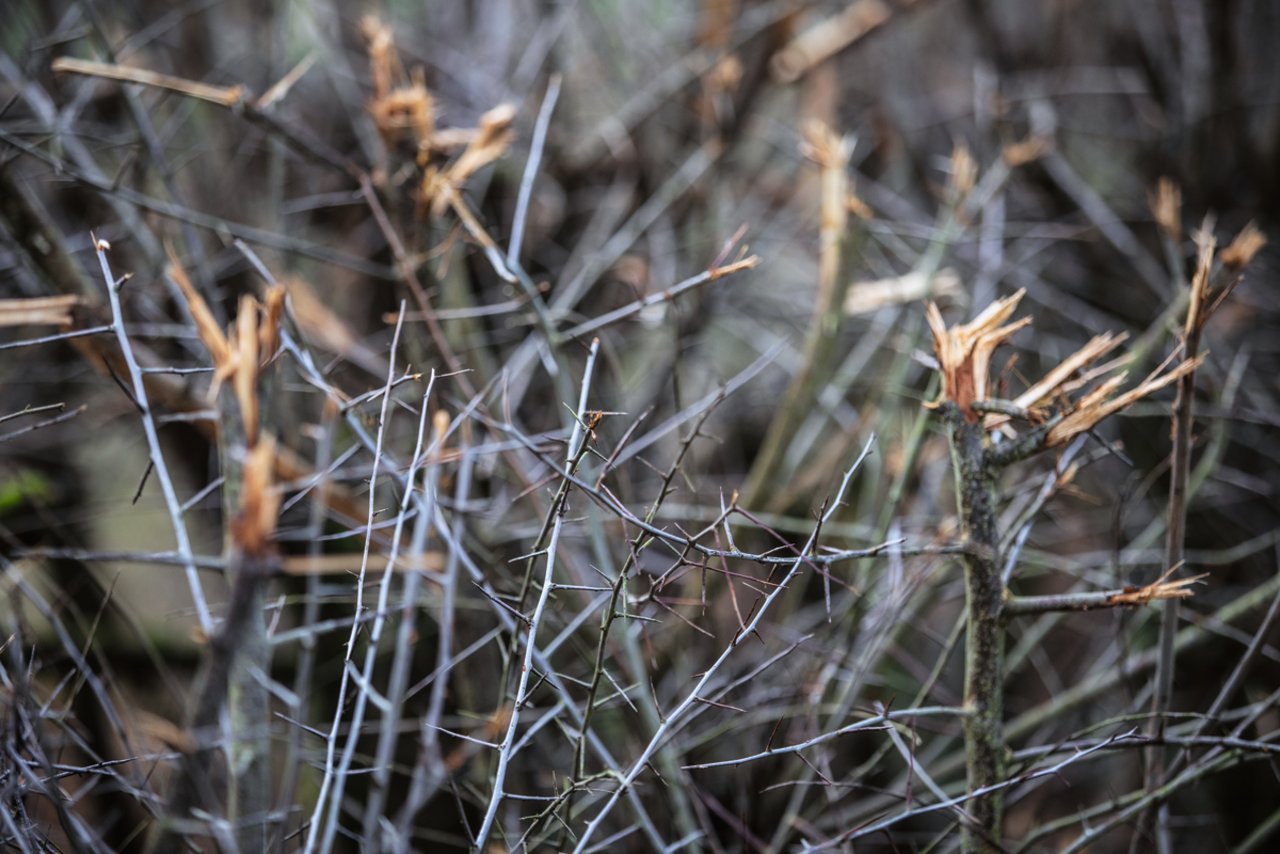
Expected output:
(975, 474)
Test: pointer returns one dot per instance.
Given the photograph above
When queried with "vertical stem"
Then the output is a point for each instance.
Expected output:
(249, 705)
(577, 447)
(832, 153)
(984, 638)
(306, 661)
(153, 440)
(214, 685)
(1175, 536)
(248, 702)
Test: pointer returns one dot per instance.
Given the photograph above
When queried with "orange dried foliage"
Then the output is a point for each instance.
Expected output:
(254, 525)
(206, 327)
(397, 104)
(441, 185)
(964, 352)
(1161, 588)
(964, 358)
(239, 354)
(1017, 154)
(1240, 252)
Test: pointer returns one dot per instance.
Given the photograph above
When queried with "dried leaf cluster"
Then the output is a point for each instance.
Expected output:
(397, 104)
(400, 104)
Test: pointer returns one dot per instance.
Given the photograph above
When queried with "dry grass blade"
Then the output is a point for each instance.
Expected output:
(962, 175)
(269, 331)
(831, 152)
(866, 297)
(282, 86)
(338, 563)
(38, 310)
(1196, 318)
(226, 96)
(1166, 207)
(325, 328)
(828, 38)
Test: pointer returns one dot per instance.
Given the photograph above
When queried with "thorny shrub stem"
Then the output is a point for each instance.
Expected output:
(577, 443)
(331, 741)
(676, 715)
(975, 474)
(153, 440)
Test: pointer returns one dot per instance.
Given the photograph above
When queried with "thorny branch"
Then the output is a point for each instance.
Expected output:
(569, 597)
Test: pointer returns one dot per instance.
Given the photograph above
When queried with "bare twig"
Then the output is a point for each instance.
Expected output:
(153, 438)
(576, 441)
(673, 716)
(331, 781)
